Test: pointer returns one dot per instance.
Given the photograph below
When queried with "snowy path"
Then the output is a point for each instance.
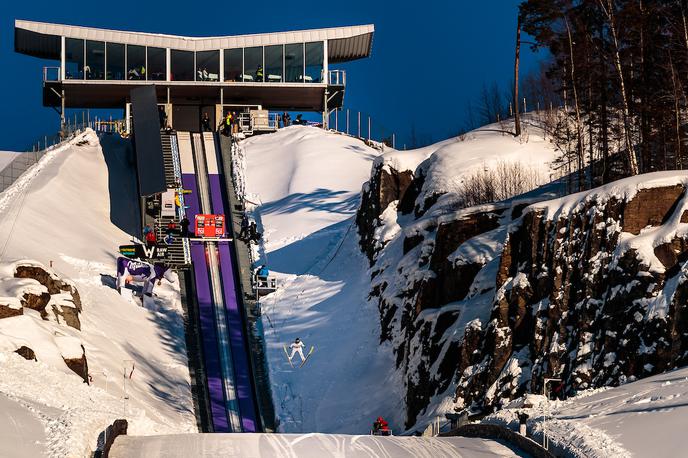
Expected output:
(22, 433)
(306, 446)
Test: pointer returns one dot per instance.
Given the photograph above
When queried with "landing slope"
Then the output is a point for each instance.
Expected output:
(307, 185)
(306, 446)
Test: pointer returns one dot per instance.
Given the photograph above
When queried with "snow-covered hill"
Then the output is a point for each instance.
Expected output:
(72, 210)
(307, 183)
(641, 418)
(305, 186)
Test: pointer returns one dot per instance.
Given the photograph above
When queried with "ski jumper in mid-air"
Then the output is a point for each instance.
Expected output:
(297, 347)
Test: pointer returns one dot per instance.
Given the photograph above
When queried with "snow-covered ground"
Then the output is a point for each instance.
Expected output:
(641, 418)
(308, 184)
(306, 446)
(72, 210)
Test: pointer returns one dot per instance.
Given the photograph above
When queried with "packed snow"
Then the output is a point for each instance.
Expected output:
(307, 185)
(306, 446)
(71, 211)
(641, 418)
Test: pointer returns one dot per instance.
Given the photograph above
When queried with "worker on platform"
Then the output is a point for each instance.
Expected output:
(184, 224)
(205, 123)
(259, 73)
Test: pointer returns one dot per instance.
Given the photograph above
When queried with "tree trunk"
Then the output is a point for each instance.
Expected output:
(517, 115)
(579, 126)
(630, 153)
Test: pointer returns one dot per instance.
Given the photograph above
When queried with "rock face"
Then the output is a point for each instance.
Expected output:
(386, 186)
(62, 301)
(481, 304)
(26, 353)
(79, 365)
(578, 300)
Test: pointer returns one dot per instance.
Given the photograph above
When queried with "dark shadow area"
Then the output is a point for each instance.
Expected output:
(108, 280)
(316, 200)
(124, 202)
(313, 252)
(170, 330)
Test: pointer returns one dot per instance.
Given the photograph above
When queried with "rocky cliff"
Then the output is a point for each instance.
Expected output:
(481, 304)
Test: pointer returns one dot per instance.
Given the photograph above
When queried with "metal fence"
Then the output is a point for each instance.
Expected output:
(23, 161)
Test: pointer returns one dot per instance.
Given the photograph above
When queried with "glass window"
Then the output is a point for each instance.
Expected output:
(253, 64)
(157, 64)
(208, 66)
(234, 63)
(293, 62)
(182, 66)
(74, 58)
(274, 72)
(314, 62)
(95, 60)
(136, 62)
(115, 61)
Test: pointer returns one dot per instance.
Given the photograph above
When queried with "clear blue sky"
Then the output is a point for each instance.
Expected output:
(429, 58)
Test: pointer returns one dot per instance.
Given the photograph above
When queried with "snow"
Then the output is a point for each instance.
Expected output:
(307, 182)
(72, 210)
(306, 446)
(642, 418)
(22, 434)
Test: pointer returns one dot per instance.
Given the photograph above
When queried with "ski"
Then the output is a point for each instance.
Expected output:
(310, 352)
(284, 347)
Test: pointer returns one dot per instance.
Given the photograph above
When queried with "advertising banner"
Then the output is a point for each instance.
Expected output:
(210, 226)
(168, 207)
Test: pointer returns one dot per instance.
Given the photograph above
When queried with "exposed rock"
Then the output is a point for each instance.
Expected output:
(8, 311)
(79, 365)
(51, 282)
(650, 207)
(568, 299)
(62, 301)
(385, 186)
(26, 353)
(36, 302)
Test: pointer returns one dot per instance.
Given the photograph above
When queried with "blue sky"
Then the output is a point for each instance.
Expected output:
(429, 58)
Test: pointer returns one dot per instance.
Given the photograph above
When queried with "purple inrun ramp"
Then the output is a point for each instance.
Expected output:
(242, 372)
(207, 317)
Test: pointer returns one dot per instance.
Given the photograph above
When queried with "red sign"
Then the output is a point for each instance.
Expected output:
(210, 225)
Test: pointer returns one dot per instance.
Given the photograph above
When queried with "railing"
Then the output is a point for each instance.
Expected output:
(337, 77)
(52, 74)
(23, 161)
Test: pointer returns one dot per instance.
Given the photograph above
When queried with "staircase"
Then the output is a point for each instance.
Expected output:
(178, 252)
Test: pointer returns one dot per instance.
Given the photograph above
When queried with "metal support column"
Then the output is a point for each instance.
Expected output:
(326, 113)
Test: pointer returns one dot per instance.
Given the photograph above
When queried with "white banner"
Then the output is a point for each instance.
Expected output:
(168, 204)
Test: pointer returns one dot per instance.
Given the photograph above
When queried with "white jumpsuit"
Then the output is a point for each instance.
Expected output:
(297, 347)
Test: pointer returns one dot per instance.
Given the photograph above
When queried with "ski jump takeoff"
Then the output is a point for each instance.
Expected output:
(297, 347)
(129, 271)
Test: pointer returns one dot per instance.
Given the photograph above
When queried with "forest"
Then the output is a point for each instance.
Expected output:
(613, 90)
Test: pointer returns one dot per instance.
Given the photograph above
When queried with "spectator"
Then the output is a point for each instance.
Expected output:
(151, 239)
